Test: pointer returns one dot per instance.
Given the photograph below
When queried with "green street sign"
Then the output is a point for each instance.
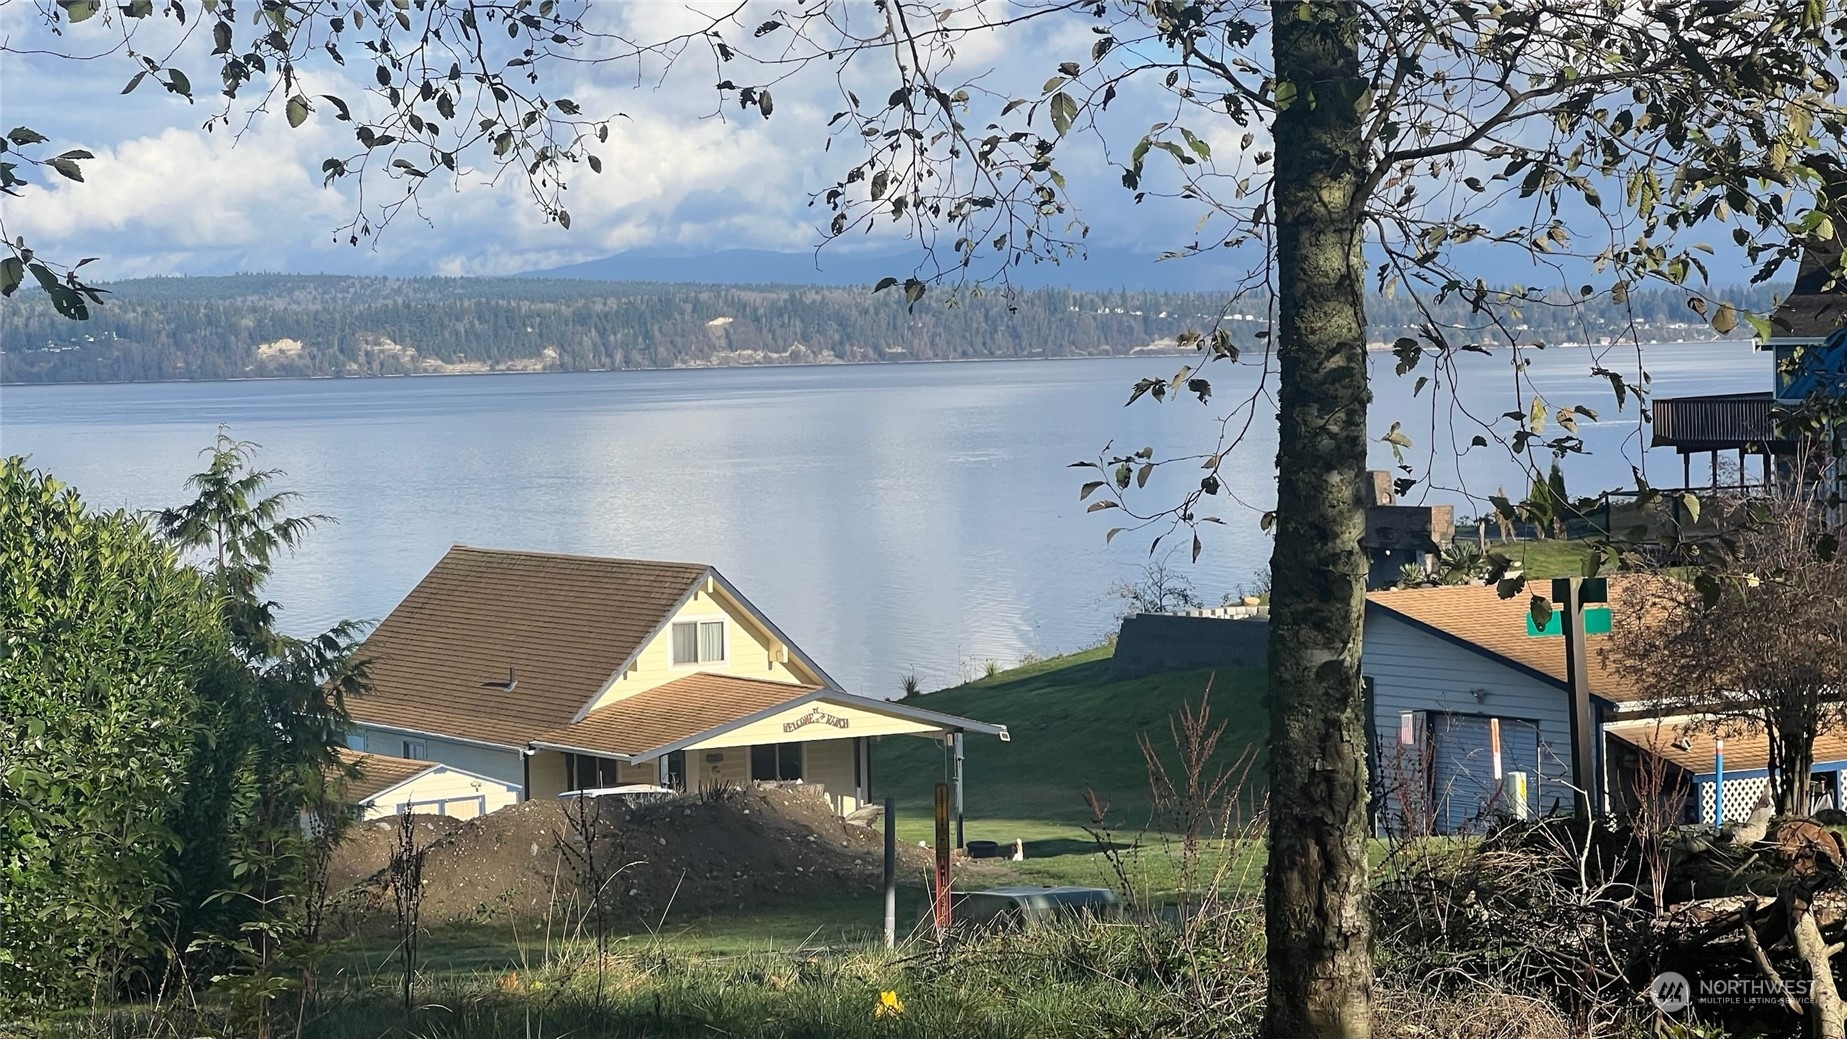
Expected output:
(1596, 622)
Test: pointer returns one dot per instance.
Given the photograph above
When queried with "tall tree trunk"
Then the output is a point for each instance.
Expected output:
(1315, 895)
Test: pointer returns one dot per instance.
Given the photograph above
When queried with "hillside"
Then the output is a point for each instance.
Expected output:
(293, 326)
(1072, 729)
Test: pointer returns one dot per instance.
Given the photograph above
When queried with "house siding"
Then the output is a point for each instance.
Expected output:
(830, 764)
(444, 791)
(751, 651)
(503, 766)
(1412, 670)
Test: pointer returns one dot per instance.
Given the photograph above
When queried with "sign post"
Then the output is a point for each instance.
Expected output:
(1568, 597)
(941, 901)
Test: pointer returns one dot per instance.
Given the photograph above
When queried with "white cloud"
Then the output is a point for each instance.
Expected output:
(165, 196)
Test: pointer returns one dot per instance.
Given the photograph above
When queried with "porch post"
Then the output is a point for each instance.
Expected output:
(661, 771)
(958, 782)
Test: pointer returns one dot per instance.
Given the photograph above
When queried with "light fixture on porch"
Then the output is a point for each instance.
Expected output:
(1480, 695)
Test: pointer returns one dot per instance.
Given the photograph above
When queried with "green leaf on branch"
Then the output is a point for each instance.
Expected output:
(297, 110)
(1064, 112)
(1541, 610)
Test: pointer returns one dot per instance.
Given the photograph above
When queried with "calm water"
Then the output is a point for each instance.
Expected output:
(888, 518)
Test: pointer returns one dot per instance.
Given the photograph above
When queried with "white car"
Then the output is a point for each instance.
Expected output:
(628, 793)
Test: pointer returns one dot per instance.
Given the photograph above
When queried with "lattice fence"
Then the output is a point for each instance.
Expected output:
(1740, 797)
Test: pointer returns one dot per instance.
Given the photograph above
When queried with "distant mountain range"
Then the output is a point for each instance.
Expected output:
(1100, 270)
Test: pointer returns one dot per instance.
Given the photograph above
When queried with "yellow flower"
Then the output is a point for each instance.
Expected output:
(889, 1005)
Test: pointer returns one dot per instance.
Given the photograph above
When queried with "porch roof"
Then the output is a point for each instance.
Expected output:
(708, 710)
(1747, 748)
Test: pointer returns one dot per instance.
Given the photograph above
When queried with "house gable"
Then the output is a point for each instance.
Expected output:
(753, 648)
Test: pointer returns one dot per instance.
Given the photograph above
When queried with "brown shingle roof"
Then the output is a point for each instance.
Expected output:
(680, 709)
(1746, 748)
(1477, 616)
(378, 773)
(564, 624)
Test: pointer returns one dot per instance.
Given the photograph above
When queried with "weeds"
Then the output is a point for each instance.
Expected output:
(406, 873)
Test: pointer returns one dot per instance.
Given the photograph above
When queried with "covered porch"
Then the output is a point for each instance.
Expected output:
(708, 731)
(1715, 770)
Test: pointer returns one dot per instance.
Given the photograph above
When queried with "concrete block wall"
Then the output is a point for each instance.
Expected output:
(1151, 643)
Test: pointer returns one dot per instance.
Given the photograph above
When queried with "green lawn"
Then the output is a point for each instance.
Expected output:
(1547, 558)
(1073, 729)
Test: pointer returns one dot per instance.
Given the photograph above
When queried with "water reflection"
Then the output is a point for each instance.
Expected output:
(888, 517)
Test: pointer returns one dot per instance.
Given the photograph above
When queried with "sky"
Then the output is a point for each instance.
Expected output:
(165, 195)
(169, 194)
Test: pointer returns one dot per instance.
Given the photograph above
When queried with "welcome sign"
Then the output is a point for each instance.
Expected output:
(816, 716)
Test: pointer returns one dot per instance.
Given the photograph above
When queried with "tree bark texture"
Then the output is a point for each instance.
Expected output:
(1825, 1012)
(1318, 929)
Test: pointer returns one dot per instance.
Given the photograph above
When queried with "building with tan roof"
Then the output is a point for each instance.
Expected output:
(1464, 690)
(554, 673)
(378, 785)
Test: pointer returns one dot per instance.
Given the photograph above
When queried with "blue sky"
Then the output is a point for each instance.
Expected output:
(166, 196)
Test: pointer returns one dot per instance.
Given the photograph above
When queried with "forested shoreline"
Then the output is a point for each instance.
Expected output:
(307, 326)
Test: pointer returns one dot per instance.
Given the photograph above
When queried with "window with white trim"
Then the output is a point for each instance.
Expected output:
(415, 750)
(698, 642)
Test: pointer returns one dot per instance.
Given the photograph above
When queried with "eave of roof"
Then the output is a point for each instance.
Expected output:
(380, 773)
(564, 740)
(1746, 747)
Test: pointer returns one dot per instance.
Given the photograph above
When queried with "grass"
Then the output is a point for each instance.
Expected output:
(1073, 729)
(1552, 558)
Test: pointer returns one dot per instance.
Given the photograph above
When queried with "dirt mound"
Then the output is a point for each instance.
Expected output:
(695, 854)
(366, 847)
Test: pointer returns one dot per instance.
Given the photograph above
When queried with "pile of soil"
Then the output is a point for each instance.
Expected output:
(694, 854)
(366, 847)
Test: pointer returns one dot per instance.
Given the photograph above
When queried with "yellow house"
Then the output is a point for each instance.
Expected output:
(554, 673)
(382, 786)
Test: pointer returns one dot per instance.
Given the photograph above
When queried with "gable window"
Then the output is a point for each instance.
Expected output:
(776, 762)
(698, 642)
(415, 750)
